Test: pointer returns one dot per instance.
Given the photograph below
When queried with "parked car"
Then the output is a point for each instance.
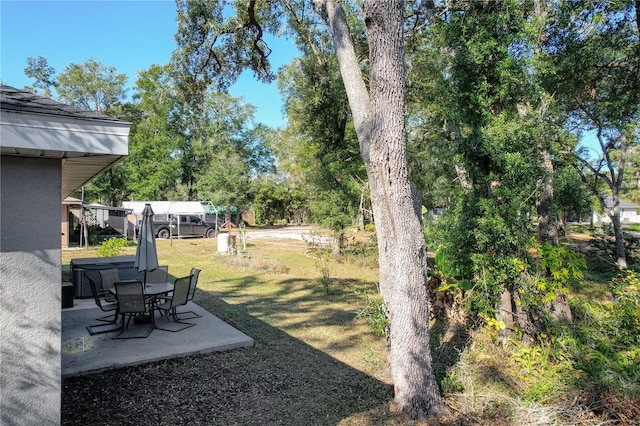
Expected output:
(189, 226)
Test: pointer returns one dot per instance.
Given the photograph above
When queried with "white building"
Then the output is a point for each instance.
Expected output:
(628, 212)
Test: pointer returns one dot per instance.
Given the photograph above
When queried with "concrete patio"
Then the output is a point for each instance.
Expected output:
(83, 353)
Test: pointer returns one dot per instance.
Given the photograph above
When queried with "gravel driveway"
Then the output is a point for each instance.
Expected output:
(302, 233)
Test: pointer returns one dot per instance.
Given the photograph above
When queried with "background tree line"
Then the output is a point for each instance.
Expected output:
(213, 153)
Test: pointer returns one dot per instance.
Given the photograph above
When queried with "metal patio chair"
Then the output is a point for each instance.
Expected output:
(108, 278)
(131, 302)
(179, 298)
(106, 306)
(158, 275)
(193, 284)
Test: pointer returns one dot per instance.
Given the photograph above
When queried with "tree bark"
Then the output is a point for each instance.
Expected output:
(379, 118)
(617, 231)
(505, 314)
(547, 221)
(617, 224)
(616, 175)
(463, 177)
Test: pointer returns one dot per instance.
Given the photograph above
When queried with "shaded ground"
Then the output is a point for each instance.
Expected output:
(281, 380)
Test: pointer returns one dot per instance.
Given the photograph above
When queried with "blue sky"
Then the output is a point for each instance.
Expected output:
(127, 35)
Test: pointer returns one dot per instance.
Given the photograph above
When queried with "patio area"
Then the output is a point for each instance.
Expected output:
(83, 353)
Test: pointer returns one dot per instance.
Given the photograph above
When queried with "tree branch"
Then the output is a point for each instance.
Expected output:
(593, 170)
(257, 41)
(350, 70)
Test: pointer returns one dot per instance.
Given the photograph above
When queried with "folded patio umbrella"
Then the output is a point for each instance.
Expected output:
(146, 252)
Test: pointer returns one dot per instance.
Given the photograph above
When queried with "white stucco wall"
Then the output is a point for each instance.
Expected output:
(30, 291)
(626, 216)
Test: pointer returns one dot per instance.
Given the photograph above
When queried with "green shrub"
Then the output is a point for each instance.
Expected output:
(363, 253)
(544, 375)
(451, 384)
(605, 340)
(559, 269)
(624, 318)
(112, 247)
(321, 253)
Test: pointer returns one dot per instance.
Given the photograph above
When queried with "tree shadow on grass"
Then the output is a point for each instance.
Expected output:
(298, 305)
(281, 380)
(449, 339)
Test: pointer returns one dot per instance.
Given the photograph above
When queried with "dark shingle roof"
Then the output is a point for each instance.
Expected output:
(12, 99)
(608, 200)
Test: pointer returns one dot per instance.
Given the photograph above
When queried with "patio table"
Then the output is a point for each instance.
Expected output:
(151, 293)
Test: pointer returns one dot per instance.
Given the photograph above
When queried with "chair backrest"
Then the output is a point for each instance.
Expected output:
(158, 275)
(195, 273)
(181, 291)
(108, 278)
(94, 291)
(130, 296)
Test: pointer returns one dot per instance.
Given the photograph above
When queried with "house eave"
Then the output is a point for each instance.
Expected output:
(86, 146)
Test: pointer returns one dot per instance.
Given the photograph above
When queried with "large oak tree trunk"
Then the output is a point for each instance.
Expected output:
(379, 118)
